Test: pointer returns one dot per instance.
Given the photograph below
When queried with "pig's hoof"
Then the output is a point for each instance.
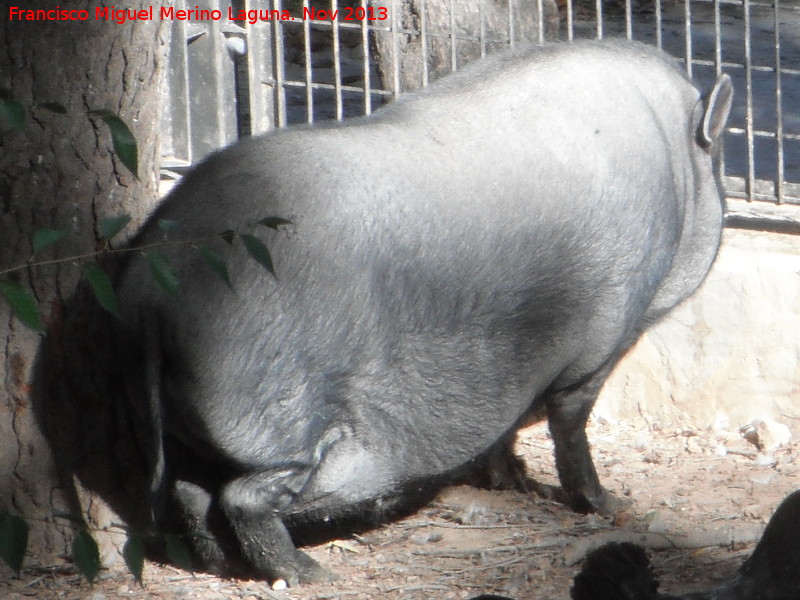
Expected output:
(302, 570)
(312, 572)
(605, 503)
(545, 490)
(501, 469)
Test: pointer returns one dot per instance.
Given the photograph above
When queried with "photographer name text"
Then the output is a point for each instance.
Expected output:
(169, 13)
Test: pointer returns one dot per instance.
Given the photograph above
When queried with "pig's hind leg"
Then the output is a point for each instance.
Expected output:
(253, 504)
(568, 411)
(240, 531)
(207, 532)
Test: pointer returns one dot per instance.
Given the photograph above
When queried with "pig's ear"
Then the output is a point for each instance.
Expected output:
(716, 108)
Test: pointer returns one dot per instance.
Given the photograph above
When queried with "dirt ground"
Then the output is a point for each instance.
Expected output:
(699, 500)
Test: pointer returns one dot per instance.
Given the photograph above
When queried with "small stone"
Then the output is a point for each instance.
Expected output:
(659, 523)
(766, 435)
(765, 460)
(773, 434)
(642, 443)
(279, 584)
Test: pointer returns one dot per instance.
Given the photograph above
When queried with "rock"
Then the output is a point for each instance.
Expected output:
(766, 435)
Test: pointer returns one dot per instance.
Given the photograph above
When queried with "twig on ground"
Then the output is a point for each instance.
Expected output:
(725, 536)
(417, 588)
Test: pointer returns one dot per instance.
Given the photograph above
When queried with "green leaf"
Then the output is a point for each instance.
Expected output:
(13, 541)
(178, 552)
(217, 264)
(45, 237)
(111, 226)
(164, 273)
(256, 248)
(133, 553)
(274, 222)
(86, 555)
(22, 303)
(168, 225)
(228, 235)
(101, 286)
(122, 139)
(11, 111)
(54, 107)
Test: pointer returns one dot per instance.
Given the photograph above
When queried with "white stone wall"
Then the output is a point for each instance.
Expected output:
(730, 354)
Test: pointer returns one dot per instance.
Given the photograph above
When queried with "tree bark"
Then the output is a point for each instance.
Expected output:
(60, 173)
(419, 61)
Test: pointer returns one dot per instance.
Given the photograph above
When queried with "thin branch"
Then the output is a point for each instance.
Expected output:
(725, 536)
(96, 253)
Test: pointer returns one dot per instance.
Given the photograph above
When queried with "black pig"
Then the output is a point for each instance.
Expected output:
(623, 572)
(476, 252)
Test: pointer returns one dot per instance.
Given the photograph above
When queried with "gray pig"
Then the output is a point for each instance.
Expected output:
(475, 253)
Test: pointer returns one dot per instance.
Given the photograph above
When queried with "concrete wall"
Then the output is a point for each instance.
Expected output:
(731, 353)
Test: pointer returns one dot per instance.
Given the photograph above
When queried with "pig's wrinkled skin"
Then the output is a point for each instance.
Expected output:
(476, 252)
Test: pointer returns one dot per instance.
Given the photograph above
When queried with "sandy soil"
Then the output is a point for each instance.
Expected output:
(702, 495)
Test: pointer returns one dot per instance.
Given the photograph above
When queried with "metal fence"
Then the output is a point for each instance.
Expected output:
(237, 77)
(758, 44)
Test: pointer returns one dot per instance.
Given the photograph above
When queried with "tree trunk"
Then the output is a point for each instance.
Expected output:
(60, 173)
(453, 33)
